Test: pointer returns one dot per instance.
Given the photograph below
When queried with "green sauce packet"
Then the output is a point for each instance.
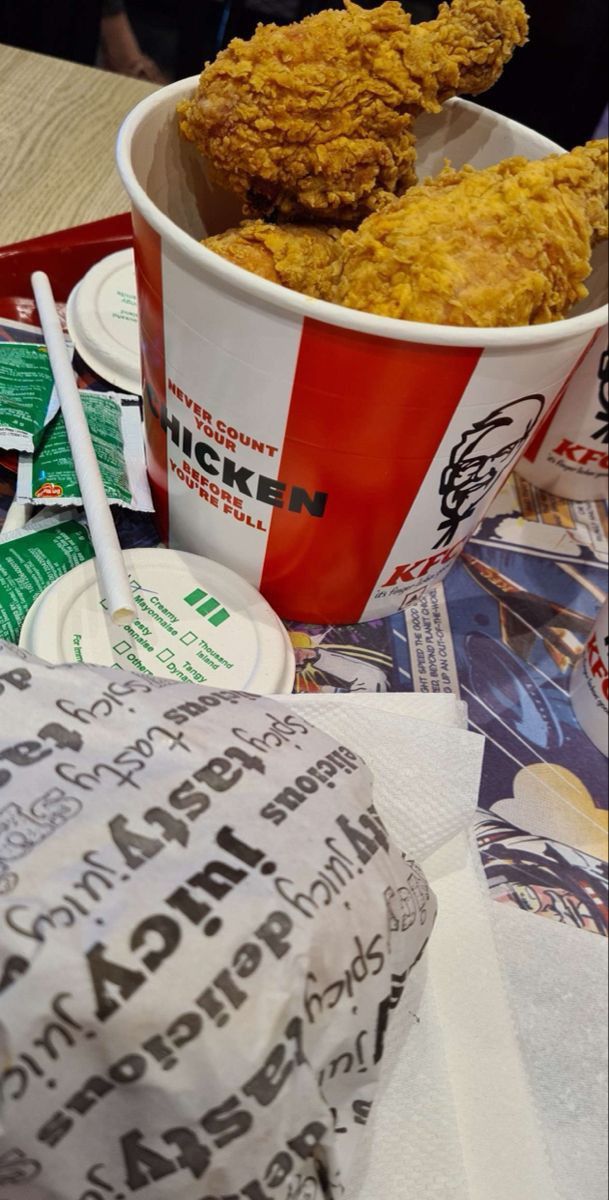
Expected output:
(49, 477)
(28, 400)
(31, 559)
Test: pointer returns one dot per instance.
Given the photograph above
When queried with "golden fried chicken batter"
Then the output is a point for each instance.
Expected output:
(509, 245)
(298, 256)
(316, 119)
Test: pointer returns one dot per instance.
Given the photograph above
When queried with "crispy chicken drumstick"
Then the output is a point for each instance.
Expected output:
(316, 119)
(508, 245)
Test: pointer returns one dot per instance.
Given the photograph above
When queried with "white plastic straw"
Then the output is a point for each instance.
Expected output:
(112, 575)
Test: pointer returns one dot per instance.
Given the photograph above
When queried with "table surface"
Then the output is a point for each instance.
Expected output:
(58, 126)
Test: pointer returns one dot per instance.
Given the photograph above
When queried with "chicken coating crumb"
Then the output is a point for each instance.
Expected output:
(316, 119)
(301, 257)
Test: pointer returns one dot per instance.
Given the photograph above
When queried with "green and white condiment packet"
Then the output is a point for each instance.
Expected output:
(48, 476)
(31, 559)
(28, 400)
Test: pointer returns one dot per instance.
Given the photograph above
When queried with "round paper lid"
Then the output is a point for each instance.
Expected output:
(197, 622)
(103, 323)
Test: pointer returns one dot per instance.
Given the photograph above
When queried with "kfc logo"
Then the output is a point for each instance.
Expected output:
(602, 416)
(480, 457)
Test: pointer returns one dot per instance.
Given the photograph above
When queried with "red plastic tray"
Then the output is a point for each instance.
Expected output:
(65, 256)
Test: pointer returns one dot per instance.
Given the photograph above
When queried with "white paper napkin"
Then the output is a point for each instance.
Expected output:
(557, 983)
(443, 709)
(456, 1119)
(426, 772)
(498, 1083)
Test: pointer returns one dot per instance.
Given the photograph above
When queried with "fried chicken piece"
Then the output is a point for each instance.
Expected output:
(298, 256)
(316, 119)
(508, 245)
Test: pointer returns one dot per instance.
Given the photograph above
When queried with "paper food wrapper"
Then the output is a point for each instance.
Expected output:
(205, 934)
(494, 1076)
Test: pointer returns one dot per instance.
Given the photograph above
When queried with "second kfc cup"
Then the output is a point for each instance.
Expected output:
(336, 459)
(569, 454)
(590, 683)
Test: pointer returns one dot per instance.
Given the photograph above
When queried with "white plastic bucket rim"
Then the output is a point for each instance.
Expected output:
(278, 296)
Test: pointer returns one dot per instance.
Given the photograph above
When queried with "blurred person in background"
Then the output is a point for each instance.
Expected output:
(557, 84)
(243, 15)
(83, 31)
(180, 36)
(66, 29)
(121, 50)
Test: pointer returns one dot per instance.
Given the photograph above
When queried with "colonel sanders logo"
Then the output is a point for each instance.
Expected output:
(481, 457)
(602, 416)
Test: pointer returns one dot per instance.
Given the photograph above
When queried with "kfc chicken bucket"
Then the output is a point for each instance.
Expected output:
(336, 459)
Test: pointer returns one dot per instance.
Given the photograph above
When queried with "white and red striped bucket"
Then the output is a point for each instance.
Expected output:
(336, 459)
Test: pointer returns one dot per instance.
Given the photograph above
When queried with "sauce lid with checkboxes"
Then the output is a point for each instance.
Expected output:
(196, 621)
